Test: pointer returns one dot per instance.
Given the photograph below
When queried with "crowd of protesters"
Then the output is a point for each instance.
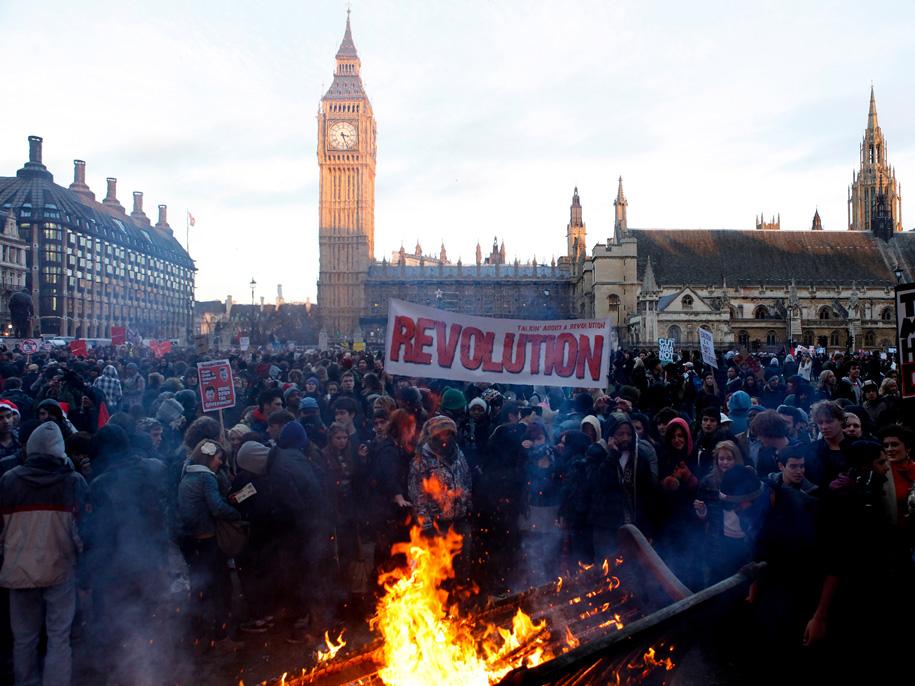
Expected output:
(121, 500)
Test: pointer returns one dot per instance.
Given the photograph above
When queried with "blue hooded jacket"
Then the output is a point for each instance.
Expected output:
(738, 407)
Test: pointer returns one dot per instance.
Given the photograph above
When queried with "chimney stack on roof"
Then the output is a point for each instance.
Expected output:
(138, 215)
(111, 198)
(162, 223)
(79, 180)
(34, 166)
(35, 150)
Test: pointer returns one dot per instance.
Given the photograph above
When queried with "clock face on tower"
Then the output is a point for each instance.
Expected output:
(342, 135)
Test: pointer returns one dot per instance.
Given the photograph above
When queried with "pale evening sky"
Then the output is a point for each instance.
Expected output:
(488, 114)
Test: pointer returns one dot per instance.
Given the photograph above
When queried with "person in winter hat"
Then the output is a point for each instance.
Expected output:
(453, 403)
(40, 501)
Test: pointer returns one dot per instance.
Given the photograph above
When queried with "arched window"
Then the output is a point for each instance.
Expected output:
(761, 312)
(687, 302)
(808, 338)
(834, 339)
(674, 332)
(613, 300)
(870, 339)
(770, 337)
(824, 313)
(743, 338)
(886, 314)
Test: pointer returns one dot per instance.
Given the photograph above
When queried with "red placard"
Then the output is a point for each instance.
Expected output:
(160, 348)
(118, 335)
(217, 388)
(78, 348)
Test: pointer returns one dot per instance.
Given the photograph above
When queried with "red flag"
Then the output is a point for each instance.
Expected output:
(78, 348)
(103, 415)
(118, 335)
(190, 218)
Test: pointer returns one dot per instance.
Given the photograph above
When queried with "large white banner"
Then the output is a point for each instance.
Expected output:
(432, 343)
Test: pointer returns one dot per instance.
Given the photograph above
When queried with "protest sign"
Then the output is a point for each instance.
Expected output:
(666, 349)
(707, 346)
(78, 348)
(118, 335)
(905, 344)
(217, 388)
(428, 342)
(160, 348)
(29, 346)
(244, 343)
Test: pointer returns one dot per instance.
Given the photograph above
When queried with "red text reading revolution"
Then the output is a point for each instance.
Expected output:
(564, 355)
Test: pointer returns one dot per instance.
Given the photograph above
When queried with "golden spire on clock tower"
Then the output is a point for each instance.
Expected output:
(346, 161)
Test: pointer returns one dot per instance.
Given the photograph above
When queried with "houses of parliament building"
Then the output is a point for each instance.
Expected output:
(756, 289)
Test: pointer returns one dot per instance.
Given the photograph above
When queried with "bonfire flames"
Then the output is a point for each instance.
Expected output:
(425, 638)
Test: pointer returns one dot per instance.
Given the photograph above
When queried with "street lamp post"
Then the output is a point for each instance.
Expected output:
(898, 273)
(252, 285)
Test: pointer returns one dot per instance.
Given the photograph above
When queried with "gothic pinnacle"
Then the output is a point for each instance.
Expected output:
(872, 112)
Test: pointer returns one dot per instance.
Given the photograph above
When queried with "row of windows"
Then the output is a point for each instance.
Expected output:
(835, 338)
(52, 231)
(11, 254)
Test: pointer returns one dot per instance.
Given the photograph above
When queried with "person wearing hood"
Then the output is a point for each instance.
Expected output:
(49, 410)
(126, 538)
(171, 415)
(473, 433)
(575, 513)
(541, 536)
(260, 563)
(498, 500)
(110, 385)
(40, 502)
(390, 457)
(297, 483)
(624, 485)
(310, 419)
(678, 530)
(738, 407)
(439, 485)
(189, 404)
(133, 386)
(591, 427)
(199, 505)
(10, 447)
(773, 392)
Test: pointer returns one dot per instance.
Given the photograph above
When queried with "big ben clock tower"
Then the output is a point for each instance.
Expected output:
(346, 229)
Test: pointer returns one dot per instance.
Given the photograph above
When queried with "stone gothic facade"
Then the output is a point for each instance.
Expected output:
(758, 289)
